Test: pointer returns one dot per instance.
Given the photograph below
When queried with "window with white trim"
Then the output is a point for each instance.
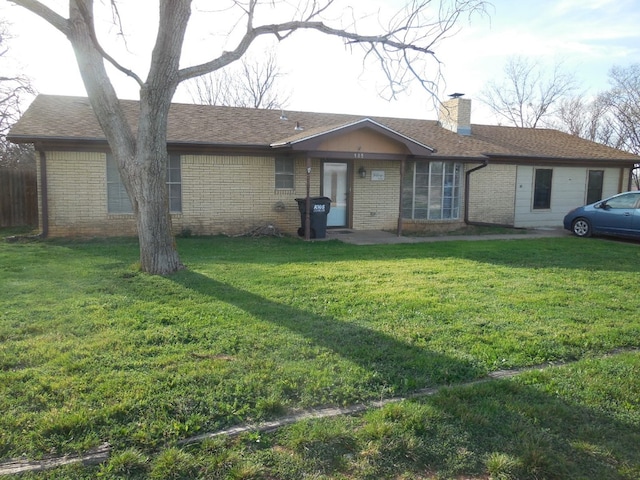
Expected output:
(431, 191)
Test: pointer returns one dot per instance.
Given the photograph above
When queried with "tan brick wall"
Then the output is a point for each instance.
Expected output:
(220, 194)
(77, 195)
(375, 202)
(235, 194)
(492, 194)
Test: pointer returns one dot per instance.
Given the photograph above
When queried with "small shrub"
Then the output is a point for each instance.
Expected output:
(185, 232)
(174, 464)
(501, 466)
(270, 407)
(126, 464)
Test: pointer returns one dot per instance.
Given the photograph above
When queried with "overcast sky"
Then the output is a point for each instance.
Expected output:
(587, 36)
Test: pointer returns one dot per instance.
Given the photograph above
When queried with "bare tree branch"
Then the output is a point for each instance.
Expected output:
(527, 95)
(46, 13)
(13, 90)
(623, 99)
(252, 85)
(410, 37)
(88, 18)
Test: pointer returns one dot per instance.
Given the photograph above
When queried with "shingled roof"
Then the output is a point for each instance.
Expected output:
(54, 118)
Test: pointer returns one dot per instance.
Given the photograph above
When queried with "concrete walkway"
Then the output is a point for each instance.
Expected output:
(379, 237)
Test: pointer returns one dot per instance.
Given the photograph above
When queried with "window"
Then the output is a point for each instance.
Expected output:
(284, 173)
(431, 191)
(594, 186)
(174, 184)
(542, 189)
(118, 200)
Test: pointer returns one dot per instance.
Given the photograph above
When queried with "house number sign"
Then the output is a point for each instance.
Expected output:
(377, 175)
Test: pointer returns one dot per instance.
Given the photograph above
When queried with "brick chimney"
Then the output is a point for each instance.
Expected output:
(455, 114)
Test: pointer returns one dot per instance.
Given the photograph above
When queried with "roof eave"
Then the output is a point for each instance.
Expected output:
(545, 159)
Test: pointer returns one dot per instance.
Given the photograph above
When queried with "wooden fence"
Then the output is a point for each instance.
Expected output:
(18, 198)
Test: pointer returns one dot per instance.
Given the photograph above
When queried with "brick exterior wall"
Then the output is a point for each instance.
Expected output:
(375, 202)
(77, 197)
(235, 194)
(492, 194)
(221, 194)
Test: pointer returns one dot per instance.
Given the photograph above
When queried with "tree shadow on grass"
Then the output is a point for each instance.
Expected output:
(515, 428)
(396, 364)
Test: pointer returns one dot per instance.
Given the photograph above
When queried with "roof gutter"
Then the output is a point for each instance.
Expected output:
(467, 189)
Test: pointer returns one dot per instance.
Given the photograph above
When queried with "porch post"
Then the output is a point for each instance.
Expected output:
(307, 211)
(402, 167)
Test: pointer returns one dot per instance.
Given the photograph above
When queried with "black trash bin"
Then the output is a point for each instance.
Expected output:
(320, 207)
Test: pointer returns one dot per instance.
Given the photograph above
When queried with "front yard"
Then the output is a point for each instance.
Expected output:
(92, 351)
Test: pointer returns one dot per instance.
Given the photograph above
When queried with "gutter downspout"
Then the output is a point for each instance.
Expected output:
(44, 194)
(466, 192)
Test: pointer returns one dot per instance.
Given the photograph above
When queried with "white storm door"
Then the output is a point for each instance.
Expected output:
(335, 186)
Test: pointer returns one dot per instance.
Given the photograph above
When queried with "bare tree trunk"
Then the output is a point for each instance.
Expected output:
(142, 158)
(158, 252)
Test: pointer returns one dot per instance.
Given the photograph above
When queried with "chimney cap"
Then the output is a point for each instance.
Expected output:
(456, 95)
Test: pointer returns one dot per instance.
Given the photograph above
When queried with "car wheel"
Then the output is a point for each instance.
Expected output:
(581, 227)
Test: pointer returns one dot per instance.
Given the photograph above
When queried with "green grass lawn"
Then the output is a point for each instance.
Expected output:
(91, 350)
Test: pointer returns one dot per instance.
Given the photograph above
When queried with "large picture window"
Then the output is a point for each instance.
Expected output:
(542, 189)
(118, 200)
(431, 191)
(284, 173)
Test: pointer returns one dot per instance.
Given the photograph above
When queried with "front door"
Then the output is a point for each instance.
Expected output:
(335, 186)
